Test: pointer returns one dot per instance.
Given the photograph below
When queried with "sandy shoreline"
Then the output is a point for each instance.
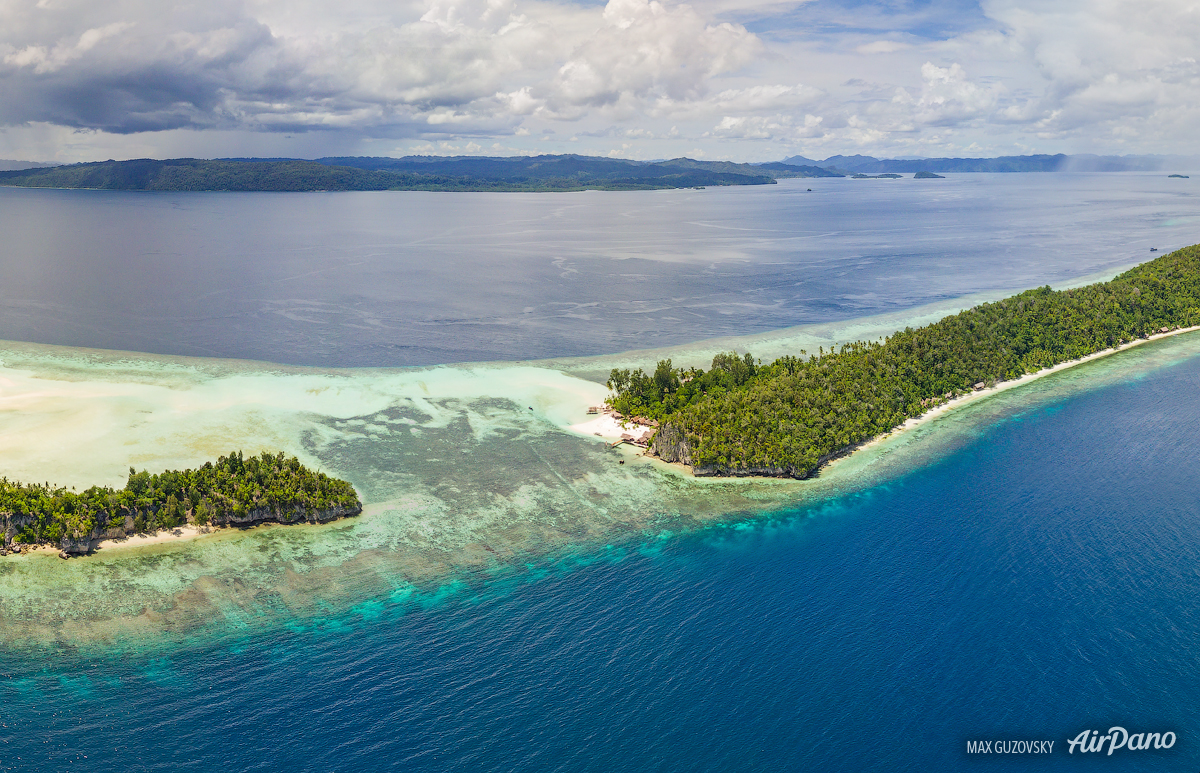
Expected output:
(958, 402)
(608, 427)
(178, 534)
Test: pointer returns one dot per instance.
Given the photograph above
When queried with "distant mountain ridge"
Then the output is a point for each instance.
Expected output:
(10, 165)
(1035, 163)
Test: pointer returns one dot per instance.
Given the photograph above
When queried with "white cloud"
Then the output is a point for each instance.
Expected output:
(44, 60)
(646, 50)
(882, 47)
(752, 99)
(777, 127)
(1107, 68)
(472, 64)
(660, 75)
(947, 97)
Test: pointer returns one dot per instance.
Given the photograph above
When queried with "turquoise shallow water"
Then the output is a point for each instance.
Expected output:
(1036, 577)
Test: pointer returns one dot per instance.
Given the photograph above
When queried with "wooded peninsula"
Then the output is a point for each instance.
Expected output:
(236, 491)
(790, 417)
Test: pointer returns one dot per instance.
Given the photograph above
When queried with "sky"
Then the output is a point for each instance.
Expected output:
(743, 80)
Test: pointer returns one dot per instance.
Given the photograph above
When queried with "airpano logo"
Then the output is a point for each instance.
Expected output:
(1119, 738)
(1087, 742)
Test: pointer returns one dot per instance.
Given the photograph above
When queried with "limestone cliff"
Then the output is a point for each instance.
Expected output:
(672, 445)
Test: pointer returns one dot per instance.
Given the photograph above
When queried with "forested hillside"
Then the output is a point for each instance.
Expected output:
(791, 416)
(189, 174)
(425, 173)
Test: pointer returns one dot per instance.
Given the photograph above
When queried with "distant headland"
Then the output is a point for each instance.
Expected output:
(412, 173)
(1058, 162)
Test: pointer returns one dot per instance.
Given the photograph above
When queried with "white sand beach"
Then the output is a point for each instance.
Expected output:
(610, 428)
(980, 394)
(166, 535)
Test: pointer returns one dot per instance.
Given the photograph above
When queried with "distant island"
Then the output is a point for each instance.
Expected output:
(790, 417)
(8, 164)
(519, 173)
(923, 175)
(1180, 176)
(412, 173)
(1034, 163)
(236, 491)
(884, 176)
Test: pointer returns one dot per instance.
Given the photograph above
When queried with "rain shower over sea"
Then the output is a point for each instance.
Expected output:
(1022, 568)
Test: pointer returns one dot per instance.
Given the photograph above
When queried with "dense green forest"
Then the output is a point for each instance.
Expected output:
(426, 173)
(791, 416)
(574, 169)
(232, 490)
(189, 174)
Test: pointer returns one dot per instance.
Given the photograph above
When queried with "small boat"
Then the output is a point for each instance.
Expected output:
(1154, 249)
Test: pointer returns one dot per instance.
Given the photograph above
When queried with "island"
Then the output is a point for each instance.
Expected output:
(235, 491)
(1180, 176)
(411, 173)
(790, 417)
(884, 176)
(923, 175)
(1059, 162)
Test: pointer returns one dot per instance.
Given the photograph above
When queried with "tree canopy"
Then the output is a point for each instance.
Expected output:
(212, 493)
(793, 415)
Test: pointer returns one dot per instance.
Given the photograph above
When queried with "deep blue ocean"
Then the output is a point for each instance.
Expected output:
(1037, 582)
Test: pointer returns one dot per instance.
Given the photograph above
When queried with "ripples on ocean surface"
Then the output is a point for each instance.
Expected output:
(392, 278)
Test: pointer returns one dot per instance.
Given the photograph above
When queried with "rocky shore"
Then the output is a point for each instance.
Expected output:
(670, 445)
